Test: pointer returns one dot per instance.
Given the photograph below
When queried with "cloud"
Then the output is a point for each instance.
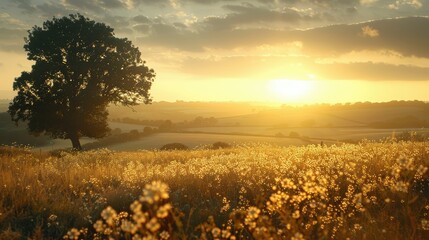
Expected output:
(250, 25)
(271, 2)
(12, 40)
(368, 31)
(142, 28)
(406, 36)
(25, 6)
(141, 19)
(325, 3)
(46, 9)
(9, 21)
(160, 3)
(403, 3)
(250, 15)
(237, 66)
(120, 24)
(244, 25)
(96, 5)
(112, 3)
(371, 71)
(292, 67)
(170, 36)
(368, 2)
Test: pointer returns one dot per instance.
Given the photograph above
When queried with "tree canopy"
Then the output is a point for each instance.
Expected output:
(79, 68)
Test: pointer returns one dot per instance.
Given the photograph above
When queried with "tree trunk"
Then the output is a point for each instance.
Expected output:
(75, 142)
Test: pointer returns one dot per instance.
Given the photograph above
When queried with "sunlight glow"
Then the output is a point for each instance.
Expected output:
(291, 90)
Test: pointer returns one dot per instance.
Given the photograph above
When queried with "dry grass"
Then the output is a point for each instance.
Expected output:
(365, 191)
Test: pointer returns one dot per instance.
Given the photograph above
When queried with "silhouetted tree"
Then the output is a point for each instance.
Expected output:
(79, 68)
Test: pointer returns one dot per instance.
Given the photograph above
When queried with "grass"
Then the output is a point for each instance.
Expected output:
(364, 191)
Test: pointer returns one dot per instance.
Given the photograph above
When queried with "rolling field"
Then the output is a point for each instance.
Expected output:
(193, 140)
(194, 137)
(340, 133)
(250, 191)
(242, 123)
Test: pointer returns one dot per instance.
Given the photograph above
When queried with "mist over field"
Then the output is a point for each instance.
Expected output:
(195, 124)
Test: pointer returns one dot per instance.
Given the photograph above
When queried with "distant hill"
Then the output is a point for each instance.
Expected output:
(377, 115)
(206, 119)
(374, 115)
(184, 111)
(10, 133)
(4, 104)
(339, 115)
(5, 94)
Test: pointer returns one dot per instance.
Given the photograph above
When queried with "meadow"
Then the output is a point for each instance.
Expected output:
(370, 190)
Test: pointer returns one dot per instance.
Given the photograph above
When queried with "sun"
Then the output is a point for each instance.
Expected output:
(291, 90)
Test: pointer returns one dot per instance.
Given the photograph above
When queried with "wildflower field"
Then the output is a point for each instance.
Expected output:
(364, 191)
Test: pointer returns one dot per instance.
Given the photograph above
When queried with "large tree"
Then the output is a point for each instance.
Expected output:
(79, 68)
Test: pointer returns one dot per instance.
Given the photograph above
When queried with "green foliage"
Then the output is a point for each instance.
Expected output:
(80, 67)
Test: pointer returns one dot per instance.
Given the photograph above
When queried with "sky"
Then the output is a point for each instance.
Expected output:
(285, 51)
